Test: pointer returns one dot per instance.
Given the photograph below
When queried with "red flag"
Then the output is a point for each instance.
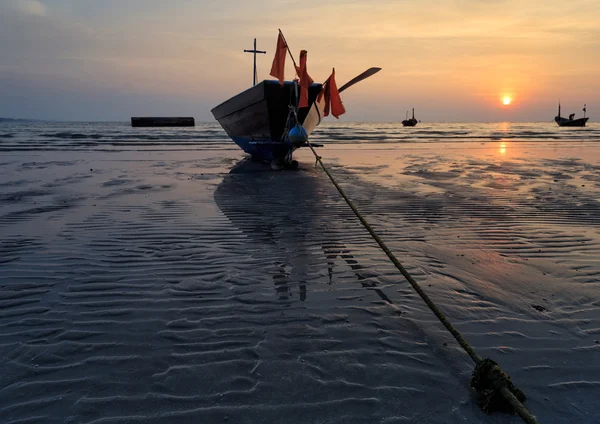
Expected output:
(305, 80)
(332, 97)
(278, 67)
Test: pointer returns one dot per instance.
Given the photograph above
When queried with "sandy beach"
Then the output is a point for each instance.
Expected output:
(198, 287)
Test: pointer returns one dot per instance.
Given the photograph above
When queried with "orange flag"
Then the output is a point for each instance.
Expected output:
(305, 80)
(333, 100)
(278, 67)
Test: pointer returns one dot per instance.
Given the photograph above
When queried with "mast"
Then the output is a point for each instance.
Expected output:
(413, 113)
(559, 108)
(255, 75)
(254, 51)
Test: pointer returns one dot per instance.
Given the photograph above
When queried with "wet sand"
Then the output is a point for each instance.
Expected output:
(195, 287)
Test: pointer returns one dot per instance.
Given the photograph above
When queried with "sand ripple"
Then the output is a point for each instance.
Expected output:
(171, 290)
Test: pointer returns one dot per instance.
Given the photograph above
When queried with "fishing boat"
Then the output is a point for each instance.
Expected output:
(410, 122)
(257, 119)
(571, 121)
(270, 120)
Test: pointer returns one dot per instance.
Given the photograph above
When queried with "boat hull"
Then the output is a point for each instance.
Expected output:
(264, 150)
(564, 122)
(257, 118)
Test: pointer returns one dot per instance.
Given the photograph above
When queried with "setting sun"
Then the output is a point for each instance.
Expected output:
(506, 100)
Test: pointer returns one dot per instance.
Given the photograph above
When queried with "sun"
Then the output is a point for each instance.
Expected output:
(506, 100)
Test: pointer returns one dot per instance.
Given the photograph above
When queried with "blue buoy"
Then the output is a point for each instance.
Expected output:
(298, 135)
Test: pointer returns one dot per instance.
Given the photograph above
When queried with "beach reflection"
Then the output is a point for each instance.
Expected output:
(277, 211)
(502, 149)
(288, 218)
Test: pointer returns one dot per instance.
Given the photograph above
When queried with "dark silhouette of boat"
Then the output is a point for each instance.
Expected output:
(571, 121)
(256, 119)
(259, 119)
(410, 122)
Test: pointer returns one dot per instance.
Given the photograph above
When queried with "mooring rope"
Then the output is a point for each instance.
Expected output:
(488, 378)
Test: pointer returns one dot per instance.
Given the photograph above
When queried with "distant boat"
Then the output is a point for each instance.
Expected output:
(571, 121)
(410, 122)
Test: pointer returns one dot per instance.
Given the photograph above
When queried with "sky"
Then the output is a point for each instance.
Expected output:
(452, 60)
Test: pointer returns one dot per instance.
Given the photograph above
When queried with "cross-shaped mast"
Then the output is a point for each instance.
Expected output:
(255, 77)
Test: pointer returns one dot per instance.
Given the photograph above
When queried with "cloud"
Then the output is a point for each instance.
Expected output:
(31, 7)
(462, 55)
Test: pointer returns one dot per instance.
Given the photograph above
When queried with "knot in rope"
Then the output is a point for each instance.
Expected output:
(494, 385)
(489, 380)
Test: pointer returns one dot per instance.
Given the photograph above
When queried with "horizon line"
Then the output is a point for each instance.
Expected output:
(2, 118)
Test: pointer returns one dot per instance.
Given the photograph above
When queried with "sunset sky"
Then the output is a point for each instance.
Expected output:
(451, 60)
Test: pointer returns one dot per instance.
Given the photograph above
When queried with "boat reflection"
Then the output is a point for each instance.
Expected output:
(277, 212)
(289, 223)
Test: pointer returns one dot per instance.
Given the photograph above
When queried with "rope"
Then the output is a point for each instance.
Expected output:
(487, 378)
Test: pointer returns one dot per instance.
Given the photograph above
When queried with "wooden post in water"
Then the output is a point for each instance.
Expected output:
(138, 121)
(254, 51)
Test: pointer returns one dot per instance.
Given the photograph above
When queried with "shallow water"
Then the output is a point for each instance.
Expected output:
(206, 136)
(168, 286)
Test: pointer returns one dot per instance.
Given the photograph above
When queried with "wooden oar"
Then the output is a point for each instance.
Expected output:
(369, 72)
(315, 114)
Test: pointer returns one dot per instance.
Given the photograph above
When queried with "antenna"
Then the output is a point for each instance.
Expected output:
(254, 51)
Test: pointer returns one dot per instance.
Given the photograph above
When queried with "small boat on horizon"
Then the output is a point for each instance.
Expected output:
(410, 122)
(571, 121)
(273, 118)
